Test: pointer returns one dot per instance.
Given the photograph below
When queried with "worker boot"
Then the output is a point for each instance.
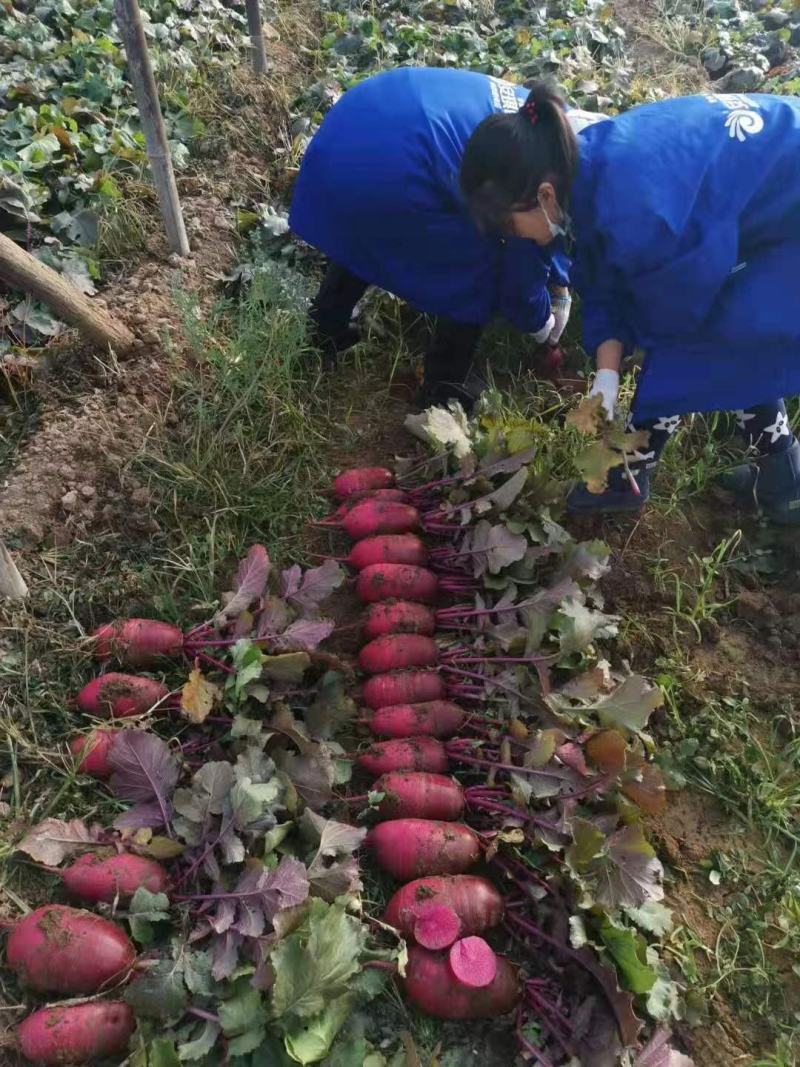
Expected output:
(618, 498)
(773, 481)
(438, 393)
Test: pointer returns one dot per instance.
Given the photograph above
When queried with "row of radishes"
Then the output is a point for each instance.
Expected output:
(66, 951)
(452, 972)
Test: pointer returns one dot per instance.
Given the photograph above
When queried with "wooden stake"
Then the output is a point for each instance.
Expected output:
(12, 584)
(258, 51)
(23, 271)
(129, 20)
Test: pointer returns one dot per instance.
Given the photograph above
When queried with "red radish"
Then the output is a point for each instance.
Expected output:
(397, 581)
(94, 878)
(397, 616)
(138, 642)
(76, 1033)
(393, 652)
(336, 517)
(403, 687)
(92, 751)
(361, 480)
(410, 754)
(437, 926)
(413, 848)
(436, 718)
(388, 548)
(419, 795)
(370, 517)
(115, 696)
(431, 985)
(473, 962)
(477, 903)
(65, 950)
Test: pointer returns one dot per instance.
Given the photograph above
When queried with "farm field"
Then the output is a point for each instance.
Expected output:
(641, 675)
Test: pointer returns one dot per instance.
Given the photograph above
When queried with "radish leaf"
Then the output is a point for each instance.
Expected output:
(304, 634)
(332, 867)
(629, 951)
(317, 962)
(249, 584)
(316, 585)
(53, 840)
(145, 773)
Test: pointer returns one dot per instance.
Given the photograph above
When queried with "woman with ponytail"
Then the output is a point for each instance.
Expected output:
(685, 220)
(378, 194)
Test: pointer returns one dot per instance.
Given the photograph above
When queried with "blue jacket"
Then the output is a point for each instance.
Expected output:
(686, 216)
(378, 193)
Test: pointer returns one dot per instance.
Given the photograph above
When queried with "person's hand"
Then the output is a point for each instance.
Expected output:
(606, 386)
(560, 304)
(542, 335)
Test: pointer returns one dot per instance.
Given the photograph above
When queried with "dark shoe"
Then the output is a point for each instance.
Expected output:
(330, 346)
(617, 498)
(438, 393)
(778, 486)
(740, 480)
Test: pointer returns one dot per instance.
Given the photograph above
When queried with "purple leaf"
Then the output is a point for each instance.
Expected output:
(305, 634)
(290, 580)
(312, 775)
(249, 584)
(223, 916)
(139, 816)
(145, 773)
(259, 895)
(225, 954)
(274, 617)
(317, 585)
(658, 1052)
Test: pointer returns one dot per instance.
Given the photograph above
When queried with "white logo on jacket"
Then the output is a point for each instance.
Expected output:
(743, 119)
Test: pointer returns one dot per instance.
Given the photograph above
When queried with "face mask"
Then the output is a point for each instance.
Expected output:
(555, 229)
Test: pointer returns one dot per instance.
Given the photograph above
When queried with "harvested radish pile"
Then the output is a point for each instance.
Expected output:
(501, 771)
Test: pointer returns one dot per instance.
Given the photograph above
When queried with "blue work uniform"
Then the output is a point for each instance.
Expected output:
(686, 217)
(378, 193)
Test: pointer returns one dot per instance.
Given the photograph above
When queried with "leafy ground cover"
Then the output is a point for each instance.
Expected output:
(251, 438)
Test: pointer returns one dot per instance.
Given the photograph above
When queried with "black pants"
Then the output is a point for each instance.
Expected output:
(451, 350)
(764, 427)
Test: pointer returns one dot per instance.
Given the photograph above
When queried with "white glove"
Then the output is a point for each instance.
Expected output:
(561, 307)
(606, 385)
(545, 331)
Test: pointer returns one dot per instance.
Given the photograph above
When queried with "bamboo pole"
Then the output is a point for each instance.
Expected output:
(258, 51)
(140, 71)
(23, 271)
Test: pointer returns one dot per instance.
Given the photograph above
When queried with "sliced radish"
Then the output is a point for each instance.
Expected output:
(436, 926)
(473, 962)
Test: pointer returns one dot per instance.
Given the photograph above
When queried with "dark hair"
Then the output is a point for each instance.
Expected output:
(509, 156)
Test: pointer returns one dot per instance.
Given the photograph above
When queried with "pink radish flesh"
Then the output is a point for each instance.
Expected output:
(437, 926)
(473, 962)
